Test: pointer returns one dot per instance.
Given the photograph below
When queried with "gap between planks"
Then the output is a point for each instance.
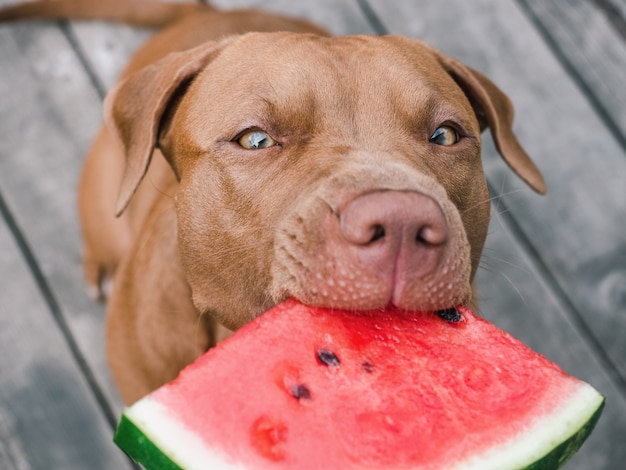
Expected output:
(571, 70)
(56, 311)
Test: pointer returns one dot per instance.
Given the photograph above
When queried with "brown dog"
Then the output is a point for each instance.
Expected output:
(344, 172)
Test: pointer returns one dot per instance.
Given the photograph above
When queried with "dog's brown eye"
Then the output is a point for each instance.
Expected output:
(254, 140)
(444, 135)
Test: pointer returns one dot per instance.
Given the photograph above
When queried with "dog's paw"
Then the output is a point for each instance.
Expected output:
(98, 280)
(100, 292)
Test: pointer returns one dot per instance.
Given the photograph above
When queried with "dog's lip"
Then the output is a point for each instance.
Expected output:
(389, 305)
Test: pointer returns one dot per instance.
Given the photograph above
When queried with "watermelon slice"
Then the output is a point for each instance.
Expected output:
(310, 388)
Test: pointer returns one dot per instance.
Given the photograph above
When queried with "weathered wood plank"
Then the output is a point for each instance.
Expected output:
(339, 16)
(614, 8)
(48, 417)
(596, 53)
(49, 113)
(107, 47)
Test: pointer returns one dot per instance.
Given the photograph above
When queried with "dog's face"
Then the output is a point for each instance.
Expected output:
(345, 172)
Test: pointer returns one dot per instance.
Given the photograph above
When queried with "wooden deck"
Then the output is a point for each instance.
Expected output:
(554, 269)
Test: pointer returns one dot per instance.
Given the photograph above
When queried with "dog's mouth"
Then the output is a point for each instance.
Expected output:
(423, 302)
(450, 314)
(421, 267)
(436, 281)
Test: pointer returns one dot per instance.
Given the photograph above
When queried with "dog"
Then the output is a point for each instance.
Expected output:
(252, 157)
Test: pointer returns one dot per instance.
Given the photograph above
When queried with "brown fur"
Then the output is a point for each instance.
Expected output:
(212, 233)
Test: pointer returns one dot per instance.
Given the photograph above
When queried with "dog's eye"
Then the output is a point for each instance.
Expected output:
(256, 139)
(444, 135)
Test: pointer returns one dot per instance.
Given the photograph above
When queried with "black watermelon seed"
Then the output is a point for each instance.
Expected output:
(328, 358)
(451, 315)
(301, 392)
(367, 367)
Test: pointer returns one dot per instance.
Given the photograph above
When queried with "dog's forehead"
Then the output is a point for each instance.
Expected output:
(296, 78)
(286, 58)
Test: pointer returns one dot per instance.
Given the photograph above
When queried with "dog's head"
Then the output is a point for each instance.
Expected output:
(345, 171)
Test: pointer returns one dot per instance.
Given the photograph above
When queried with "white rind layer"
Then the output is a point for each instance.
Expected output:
(187, 450)
(542, 436)
(175, 440)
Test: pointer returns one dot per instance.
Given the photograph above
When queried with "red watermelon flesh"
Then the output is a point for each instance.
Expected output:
(310, 388)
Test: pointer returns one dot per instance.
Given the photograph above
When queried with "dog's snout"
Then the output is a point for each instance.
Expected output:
(401, 247)
(394, 219)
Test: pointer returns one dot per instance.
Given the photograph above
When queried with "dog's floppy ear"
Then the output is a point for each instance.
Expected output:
(135, 109)
(494, 110)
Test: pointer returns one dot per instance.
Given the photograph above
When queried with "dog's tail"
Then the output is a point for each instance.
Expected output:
(144, 13)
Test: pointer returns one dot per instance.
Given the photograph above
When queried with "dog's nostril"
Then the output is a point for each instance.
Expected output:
(379, 232)
(423, 236)
(419, 238)
(430, 236)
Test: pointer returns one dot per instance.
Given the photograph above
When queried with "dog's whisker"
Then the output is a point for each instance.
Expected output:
(500, 197)
(493, 199)
(157, 187)
(487, 264)
(512, 284)
(501, 211)
(486, 258)
(199, 329)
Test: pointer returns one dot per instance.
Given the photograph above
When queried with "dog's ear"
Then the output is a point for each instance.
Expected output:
(136, 109)
(494, 110)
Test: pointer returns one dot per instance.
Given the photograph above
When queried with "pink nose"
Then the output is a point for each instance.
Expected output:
(399, 230)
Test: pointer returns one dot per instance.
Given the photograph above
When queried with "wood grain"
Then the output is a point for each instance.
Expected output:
(48, 416)
(588, 45)
(50, 111)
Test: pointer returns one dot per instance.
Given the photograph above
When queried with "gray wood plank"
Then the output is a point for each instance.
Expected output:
(107, 46)
(614, 8)
(48, 417)
(338, 16)
(596, 52)
(49, 113)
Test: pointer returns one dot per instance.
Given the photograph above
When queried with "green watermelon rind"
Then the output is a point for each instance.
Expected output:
(565, 451)
(140, 448)
(146, 433)
(568, 427)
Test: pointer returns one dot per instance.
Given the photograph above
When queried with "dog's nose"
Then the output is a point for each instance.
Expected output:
(403, 229)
